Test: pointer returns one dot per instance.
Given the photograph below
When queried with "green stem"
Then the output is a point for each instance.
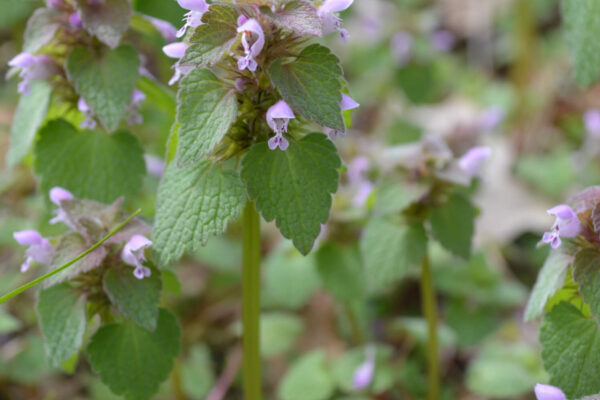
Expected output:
(431, 315)
(42, 278)
(251, 304)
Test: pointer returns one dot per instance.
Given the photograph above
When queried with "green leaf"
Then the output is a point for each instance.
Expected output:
(550, 278)
(393, 197)
(582, 24)
(586, 272)
(108, 20)
(29, 116)
(92, 165)
(298, 16)
(341, 272)
(136, 298)
(278, 333)
(61, 311)
(571, 350)
(133, 361)
(194, 202)
(213, 39)
(452, 224)
(389, 250)
(205, 113)
(8, 323)
(309, 378)
(105, 79)
(294, 187)
(197, 376)
(41, 28)
(311, 85)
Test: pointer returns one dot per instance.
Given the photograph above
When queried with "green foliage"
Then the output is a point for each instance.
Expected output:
(341, 272)
(586, 272)
(581, 19)
(294, 187)
(550, 279)
(205, 113)
(213, 39)
(108, 20)
(389, 249)
(41, 28)
(29, 116)
(69, 247)
(67, 158)
(571, 350)
(420, 83)
(393, 197)
(549, 173)
(278, 333)
(133, 361)
(61, 311)
(197, 374)
(193, 203)
(8, 323)
(311, 85)
(136, 298)
(309, 378)
(299, 16)
(453, 223)
(105, 79)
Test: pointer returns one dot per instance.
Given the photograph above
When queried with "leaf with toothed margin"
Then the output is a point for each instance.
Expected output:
(294, 187)
(299, 16)
(193, 203)
(108, 20)
(586, 272)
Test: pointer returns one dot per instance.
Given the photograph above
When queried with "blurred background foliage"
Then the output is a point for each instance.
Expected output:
(318, 314)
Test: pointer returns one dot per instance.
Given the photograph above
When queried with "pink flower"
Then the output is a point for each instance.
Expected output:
(278, 118)
(154, 165)
(32, 68)
(137, 97)
(548, 392)
(89, 122)
(133, 254)
(443, 40)
(330, 21)
(363, 375)
(75, 20)
(166, 30)
(39, 250)
(253, 40)
(491, 117)
(193, 18)
(177, 50)
(566, 225)
(472, 160)
(57, 196)
(591, 119)
(347, 103)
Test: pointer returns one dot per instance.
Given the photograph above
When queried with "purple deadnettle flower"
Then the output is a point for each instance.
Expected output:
(57, 195)
(566, 225)
(154, 165)
(166, 30)
(330, 21)
(548, 392)
(177, 50)
(89, 122)
(32, 68)
(278, 118)
(39, 250)
(193, 18)
(491, 117)
(402, 47)
(137, 98)
(363, 375)
(471, 161)
(443, 40)
(133, 254)
(591, 119)
(347, 103)
(75, 20)
(253, 40)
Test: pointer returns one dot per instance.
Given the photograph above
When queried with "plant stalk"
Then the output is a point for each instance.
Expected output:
(431, 315)
(251, 304)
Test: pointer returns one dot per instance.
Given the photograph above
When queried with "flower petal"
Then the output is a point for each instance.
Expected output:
(562, 211)
(348, 103)
(58, 194)
(28, 237)
(548, 392)
(175, 50)
(193, 5)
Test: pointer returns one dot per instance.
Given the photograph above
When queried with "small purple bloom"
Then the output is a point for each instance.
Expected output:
(133, 254)
(39, 248)
(402, 46)
(548, 392)
(177, 50)
(443, 40)
(193, 18)
(166, 29)
(330, 21)
(591, 119)
(363, 375)
(347, 103)
(154, 165)
(240, 84)
(357, 169)
(75, 20)
(253, 40)
(491, 117)
(471, 161)
(32, 68)
(135, 118)
(566, 225)
(361, 196)
(278, 118)
(89, 122)
(58, 194)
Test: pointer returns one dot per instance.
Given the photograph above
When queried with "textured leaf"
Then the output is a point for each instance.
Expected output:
(311, 85)
(194, 202)
(389, 250)
(105, 80)
(212, 40)
(61, 311)
(41, 28)
(133, 361)
(452, 224)
(299, 16)
(550, 278)
(309, 378)
(136, 298)
(341, 272)
(206, 111)
(107, 20)
(571, 351)
(29, 116)
(92, 165)
(586, 272)
(294, 187)
(582, 24)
